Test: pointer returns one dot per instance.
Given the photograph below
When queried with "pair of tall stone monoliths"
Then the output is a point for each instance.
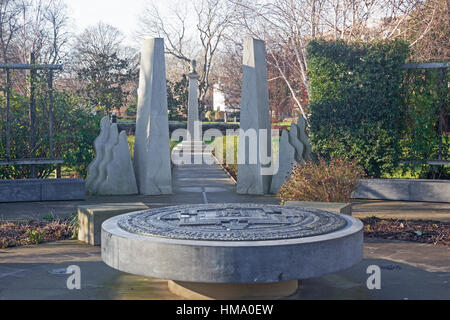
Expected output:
(152, 158)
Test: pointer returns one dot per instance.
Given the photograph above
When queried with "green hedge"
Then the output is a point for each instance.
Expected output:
(75, 129)
(356, 103)
(425, 94)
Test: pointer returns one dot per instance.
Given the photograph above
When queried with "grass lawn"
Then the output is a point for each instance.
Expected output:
(226, 149)
(131, 140)
(282, 124)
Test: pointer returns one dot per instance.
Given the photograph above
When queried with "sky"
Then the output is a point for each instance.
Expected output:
(122, 14)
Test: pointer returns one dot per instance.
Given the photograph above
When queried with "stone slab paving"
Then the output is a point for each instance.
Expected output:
(408, 271)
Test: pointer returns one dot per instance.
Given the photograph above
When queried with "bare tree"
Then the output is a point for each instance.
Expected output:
(9, 25)
(58, 38)
(212, 20)
(283, 25)
(103, 67)
(288, 25)
(228, 73)
(38, 26)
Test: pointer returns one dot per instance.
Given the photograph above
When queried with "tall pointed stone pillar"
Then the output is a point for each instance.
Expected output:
(152, 160)
(255, 141)
(193, 117)
(193, 144)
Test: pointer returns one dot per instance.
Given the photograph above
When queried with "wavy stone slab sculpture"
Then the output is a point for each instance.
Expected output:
(111, 172)
(294, 148)
(286, 163)
(152, 161)
(303, 137)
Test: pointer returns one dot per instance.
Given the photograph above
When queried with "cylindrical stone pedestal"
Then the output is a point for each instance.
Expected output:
(232, 251)
(225, 291)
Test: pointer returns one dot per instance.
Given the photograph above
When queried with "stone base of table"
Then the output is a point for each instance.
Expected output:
(224, 291)
(91, 218)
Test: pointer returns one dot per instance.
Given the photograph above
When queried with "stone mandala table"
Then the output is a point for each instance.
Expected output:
(231, 251)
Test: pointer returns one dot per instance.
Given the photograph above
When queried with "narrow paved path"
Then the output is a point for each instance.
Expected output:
(211, 184)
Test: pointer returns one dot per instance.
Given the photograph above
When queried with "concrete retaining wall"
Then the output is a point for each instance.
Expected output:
(35, 190)
(404, 190)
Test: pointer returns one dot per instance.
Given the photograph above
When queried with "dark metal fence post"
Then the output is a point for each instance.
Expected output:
(50, 111)
(441, 113)
(32, 114)
(8, 114)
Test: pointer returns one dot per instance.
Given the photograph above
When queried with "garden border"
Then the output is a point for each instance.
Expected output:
(37, 190)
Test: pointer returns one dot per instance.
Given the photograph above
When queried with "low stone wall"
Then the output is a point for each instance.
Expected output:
(35, 190)
(130, 128)
(404, 190)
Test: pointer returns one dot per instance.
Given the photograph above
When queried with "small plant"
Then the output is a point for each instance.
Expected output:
(322, 181)
(35, 236)
(75, 225)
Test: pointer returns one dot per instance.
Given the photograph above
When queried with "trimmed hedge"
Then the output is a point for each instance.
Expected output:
(355, 103)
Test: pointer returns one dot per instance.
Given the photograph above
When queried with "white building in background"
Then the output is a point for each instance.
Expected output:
(219, 98)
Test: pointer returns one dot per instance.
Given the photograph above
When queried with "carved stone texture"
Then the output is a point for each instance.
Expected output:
(111, 172)
(286, 163)
(297, 140)
(232, 222)
(301, 125)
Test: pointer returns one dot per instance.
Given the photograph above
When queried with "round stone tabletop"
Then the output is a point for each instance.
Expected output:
(232, 222)
(232, 243)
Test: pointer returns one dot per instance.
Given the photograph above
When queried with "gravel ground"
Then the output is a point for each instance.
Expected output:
(431, 232)
(13, 234)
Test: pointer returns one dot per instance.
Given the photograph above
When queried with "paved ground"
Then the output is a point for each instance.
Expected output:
(408, 271)
(195, 184)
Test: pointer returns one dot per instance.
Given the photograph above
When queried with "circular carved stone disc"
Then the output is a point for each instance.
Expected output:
(232, 222)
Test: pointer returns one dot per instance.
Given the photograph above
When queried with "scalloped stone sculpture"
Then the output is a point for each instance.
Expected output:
(111, 172)
(294, 148)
